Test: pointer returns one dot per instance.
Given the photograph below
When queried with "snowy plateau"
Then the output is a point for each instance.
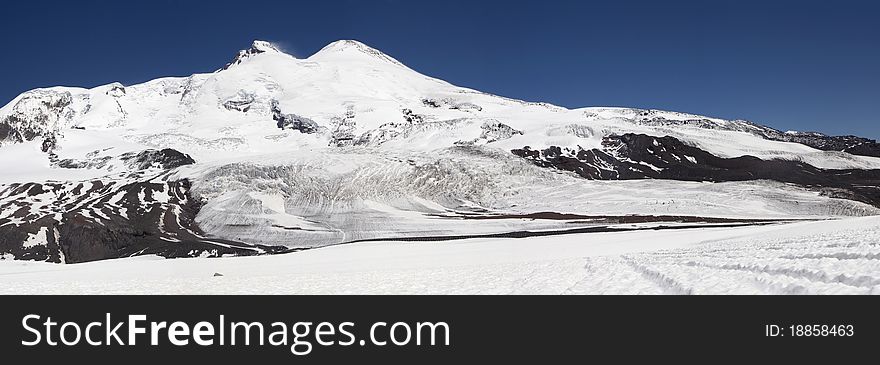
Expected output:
(348, 172)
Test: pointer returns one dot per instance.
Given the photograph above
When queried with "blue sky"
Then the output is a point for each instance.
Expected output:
(805, 65)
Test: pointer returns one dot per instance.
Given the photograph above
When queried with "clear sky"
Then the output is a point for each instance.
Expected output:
(804, 65)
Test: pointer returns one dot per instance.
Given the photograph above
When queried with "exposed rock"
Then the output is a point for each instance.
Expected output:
(241, 103)
(411, 117)
(849, 144)
(96, 163)
(451, 104)
(7, 133)
(638, 156)
(343, 133)
(293, 121)
(384, 133)
(257, 47)
(100, 219)
(496, 131)
(398, 130)
(49, 143)
(166, 159)
(433, 103)
(466, 106)
(116, 90)
(39, 113)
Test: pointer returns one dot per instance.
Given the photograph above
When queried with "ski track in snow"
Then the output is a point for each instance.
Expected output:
(826, 257)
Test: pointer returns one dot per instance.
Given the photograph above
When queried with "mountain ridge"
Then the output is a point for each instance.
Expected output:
(274, 153)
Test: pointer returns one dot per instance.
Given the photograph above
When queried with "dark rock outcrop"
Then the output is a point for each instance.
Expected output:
(49, 143)
(95, 220)
(36, 114)
(849, 144)
(293, 121)
(138, 213)
(166, 159)
(117, 90)
(497, 131)
(257, 47)
(638, 156)
(450, 103)
(411, 117)
(241, 103)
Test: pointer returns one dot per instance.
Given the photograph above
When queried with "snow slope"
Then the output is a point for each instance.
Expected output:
(351, 144)
(350, 88)
(826, 257)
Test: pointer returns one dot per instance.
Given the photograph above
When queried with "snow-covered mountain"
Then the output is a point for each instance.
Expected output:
(272, 153)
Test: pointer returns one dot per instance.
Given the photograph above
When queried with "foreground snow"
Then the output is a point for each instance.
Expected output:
(821, 257)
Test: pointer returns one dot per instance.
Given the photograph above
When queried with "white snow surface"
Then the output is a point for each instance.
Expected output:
(350, 86)
(393, 149)
(822, 257)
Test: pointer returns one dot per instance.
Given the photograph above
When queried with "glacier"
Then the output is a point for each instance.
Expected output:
(273, 154)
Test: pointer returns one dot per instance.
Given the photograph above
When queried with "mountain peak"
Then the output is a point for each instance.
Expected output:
(263, 47)
(352, 47)
(344, 44)
(257, 47)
